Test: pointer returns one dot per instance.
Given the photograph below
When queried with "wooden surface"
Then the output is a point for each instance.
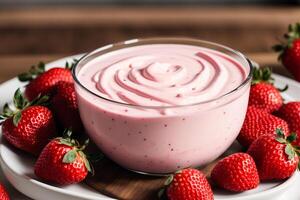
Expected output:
(12, 65)
(71, 30)
(116, 182)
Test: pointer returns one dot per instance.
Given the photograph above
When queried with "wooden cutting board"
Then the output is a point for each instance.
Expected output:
(114, 181)
(117, 182)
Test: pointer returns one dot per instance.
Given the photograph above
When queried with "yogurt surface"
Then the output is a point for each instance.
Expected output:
(162, 75)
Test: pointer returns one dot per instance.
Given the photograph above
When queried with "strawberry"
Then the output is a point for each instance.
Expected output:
(275, 157)
(43, 82)
(3, 193)
(263, 94)
(290, 112)
(188, 184)
(236, 173)
(64, 105)
(62, 162)
(29, 126)
(289, 50)
(259, 122)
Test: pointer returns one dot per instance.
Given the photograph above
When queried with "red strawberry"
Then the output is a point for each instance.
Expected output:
(236, 172)
(43, 82)
(3, 193)
(189, 184)
(30, 126)
(290, 50)
(257, 123)
(62, 162)
(274, 156)
(290, 112)
(263, 94)
(64, 105)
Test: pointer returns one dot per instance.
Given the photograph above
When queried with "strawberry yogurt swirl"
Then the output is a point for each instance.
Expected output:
(163, 75)
(162, 107)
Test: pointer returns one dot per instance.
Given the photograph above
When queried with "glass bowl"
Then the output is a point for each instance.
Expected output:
(163, 139)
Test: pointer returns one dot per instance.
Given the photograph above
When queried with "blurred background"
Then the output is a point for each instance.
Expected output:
(34, 30)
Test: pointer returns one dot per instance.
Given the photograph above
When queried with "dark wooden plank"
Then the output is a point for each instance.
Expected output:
(114, 181)
(75, 29)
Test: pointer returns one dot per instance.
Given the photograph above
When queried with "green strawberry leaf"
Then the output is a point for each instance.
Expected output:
(2, 118)
(40, 100)
(37, 70)
(67, 65)
(67, 133)
(289, 151)
(25, 77)
(73, 63)
(281, 140)
(88, 166)
(292, 137)
(17, 118)
(33, 72)
(66, 141)
(298, 165)
(279, 133)
(70, 156)
(169, 180)
(86, 143)
(6, 108)
(40, 68)
(86, 162)
(19, 100)
(262, 75)
(161, 194)
(7, 112)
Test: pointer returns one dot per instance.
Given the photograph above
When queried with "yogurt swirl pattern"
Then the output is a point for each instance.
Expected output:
(163, 75)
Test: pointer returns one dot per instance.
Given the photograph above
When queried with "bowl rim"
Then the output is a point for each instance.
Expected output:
(160, 40)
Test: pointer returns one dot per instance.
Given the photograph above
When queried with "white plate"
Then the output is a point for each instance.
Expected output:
(18, 167)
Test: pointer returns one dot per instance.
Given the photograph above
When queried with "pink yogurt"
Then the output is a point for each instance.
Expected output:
(158, 107)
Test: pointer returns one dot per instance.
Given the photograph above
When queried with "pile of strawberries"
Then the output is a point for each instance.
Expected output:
(41, 121)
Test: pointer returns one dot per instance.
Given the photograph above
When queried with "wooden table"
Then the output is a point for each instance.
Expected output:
(74, 29)
(12, 65)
